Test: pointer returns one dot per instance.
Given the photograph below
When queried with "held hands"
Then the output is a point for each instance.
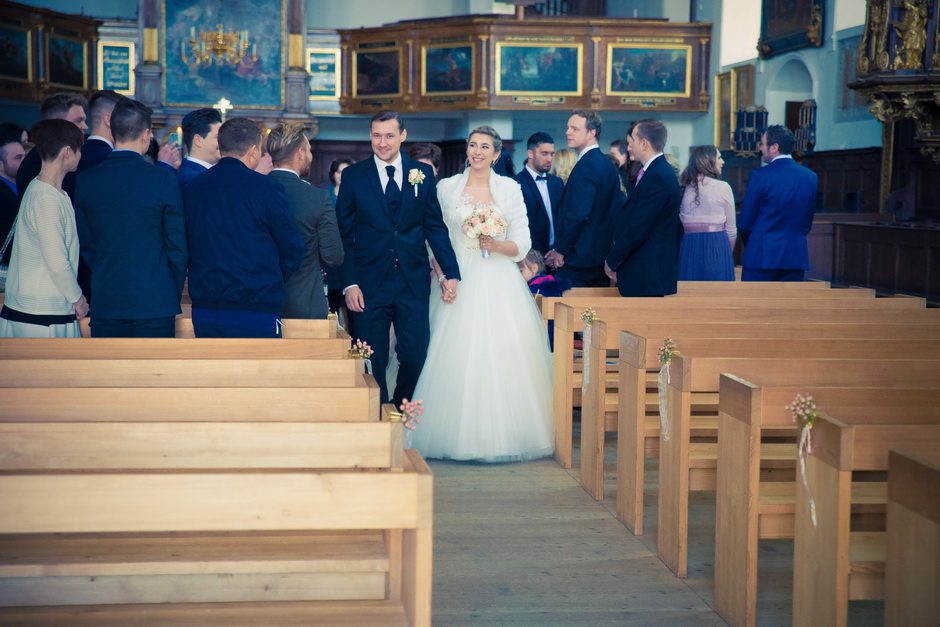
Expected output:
(554, 259)
(448, 289)
(81, 307)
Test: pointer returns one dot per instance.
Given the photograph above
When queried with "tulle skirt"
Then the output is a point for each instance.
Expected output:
(705, 257)
(487, 381)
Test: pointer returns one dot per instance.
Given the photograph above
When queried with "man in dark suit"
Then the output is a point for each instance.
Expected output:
(644, 254)
(201, 137)
(100, 142)
(129, 215)
(541, 191)
(588, 207)
(777, 212)
(387, 209)
(62, 106)
(243, 246)
(11, 156)
(314, 217)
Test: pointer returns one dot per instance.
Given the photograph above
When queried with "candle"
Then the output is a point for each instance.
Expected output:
(192, 32)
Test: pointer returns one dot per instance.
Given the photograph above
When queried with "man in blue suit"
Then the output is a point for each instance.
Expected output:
(201, 137)
(100, 141)
(777, 212)
(129, 215)
(387, 209)
(541, 191)
(588, 208)
(644, 255)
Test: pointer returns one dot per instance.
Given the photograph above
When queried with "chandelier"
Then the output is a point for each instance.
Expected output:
(219, 46)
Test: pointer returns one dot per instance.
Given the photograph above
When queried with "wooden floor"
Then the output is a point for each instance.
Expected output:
(524, 544)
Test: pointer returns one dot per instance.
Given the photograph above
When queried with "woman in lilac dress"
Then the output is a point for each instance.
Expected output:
(707, 216)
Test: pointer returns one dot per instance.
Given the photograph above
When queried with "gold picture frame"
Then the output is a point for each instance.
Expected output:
(742, 82)
(116, 62)
(66, 61)
(452, 69)
(373, 67)
(651, 70)
(17, 60)
(724, 111)
(539, 68)
(325, 68)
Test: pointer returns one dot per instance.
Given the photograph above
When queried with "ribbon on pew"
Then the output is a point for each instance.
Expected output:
(585, 346)
(804, 448)
(663, 419)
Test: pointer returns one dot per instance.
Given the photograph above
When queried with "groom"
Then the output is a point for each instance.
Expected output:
(387, 209)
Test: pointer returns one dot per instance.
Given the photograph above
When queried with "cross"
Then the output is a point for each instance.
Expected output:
(223, 106)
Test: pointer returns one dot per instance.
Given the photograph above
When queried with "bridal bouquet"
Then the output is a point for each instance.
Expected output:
(484, 220)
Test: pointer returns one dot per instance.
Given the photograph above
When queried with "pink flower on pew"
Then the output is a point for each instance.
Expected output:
(666, 351)
(803, 410)
(410, 410)
(361, 349)
(589, 315)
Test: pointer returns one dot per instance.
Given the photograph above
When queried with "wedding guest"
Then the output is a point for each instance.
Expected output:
(201, 138)
(11, 156)
(707, 216)
(336, 303)
(618, 148)
(540, 282)
(563, 163)
(486, 385)
(541, 190)
(42, 296)
(427, 153)
(60, 106)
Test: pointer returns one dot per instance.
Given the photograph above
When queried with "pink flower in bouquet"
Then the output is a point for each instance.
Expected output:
(410, 410)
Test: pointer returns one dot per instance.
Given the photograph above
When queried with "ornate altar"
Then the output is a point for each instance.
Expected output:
(501, 62)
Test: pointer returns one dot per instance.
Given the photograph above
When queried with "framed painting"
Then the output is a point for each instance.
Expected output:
(724, 96)
(743, 82)
(649, 70)
(16, 54)
(193, 79)
(377, 70)
(66, 59)
(446, 70)
(116, 66)
(539, 69)
(787, 25)
(323, 64)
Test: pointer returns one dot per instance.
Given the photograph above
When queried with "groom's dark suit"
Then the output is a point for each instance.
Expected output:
(386, 256)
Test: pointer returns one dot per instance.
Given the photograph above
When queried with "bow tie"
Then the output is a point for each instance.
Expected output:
(541, 177)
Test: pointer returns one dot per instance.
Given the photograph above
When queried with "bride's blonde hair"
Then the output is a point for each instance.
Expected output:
(490, 131)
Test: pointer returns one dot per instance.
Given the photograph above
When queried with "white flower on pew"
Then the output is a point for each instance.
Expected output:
(361, 349)
(804, 412)
(666, 351)
(588, 315)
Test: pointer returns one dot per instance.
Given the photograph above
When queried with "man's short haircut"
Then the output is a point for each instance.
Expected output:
(284, 140)
(620, 145)
(431, 152)
(58, 105)
(592, 121)
(782, 136)
(129, 119)
(539, 138)
(51, 136)
(101, 104)
(198, 122)
(237, 136)
(10, 133)
(385, 116)
(653, 131)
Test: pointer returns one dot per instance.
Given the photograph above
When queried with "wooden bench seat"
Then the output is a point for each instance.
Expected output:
(741, 516)
(825, 574)
(912, 567)
(291, 328)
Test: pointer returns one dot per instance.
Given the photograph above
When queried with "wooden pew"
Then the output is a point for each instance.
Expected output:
(636, 312)
(600, 407)
(292, 328)
(912, 565)
(747, 509)
(831, 563)
(213, 523)
(678, 458)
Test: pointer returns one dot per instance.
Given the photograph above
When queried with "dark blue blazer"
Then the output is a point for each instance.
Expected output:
(778, 211)
(189, 170)
(588, 211)
(94, 151)
(129, 215)
(644, 252)
(243, 245)
(539, 226)
(374, 238)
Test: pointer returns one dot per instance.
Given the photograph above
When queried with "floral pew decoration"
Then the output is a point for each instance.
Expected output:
(666, 351)
(804, 412)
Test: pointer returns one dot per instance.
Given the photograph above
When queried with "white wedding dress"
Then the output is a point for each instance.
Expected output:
(487, 381)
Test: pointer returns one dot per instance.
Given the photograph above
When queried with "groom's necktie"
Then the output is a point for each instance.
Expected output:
(392, 191)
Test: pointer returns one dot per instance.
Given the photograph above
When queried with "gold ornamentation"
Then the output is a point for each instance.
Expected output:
(912, 31)
(814, 28)
(218, 46)
(881, 49)
(882, 108)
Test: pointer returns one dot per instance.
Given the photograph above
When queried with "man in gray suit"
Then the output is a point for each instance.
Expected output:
(312, 212)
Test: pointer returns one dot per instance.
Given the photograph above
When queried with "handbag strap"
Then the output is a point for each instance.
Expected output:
(9, 239)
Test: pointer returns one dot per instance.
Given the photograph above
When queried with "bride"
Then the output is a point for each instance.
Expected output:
(486, 384)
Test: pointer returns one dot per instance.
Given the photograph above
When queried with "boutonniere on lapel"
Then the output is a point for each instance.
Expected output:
(415, 177)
